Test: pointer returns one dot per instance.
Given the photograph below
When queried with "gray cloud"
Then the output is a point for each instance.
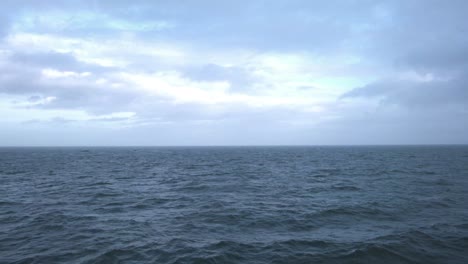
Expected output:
(376, 26)
(4, 24)
(450, 60)
(426, 38)
(25, 79)
(416, 94)
(303, 25)
(420, 35)
(21, 75)
(55, 60)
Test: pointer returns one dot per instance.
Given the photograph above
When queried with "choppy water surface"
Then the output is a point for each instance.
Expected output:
(234, 205)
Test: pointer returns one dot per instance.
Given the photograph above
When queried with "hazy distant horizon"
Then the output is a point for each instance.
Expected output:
(228, 146)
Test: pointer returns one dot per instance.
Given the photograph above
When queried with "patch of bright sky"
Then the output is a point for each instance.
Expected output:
(105, 52)
(52, 73)
(328, 77)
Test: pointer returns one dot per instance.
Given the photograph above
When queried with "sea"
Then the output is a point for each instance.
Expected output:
(288, 204)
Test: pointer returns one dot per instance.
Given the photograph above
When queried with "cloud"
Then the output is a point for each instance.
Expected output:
(204, 23)
(158, 97)
(30, 76)
(240, 79)
(4, 24)
(297, 71)
(55, 60)
(415, 93)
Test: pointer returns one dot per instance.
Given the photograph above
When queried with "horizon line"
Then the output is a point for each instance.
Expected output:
(188, 146)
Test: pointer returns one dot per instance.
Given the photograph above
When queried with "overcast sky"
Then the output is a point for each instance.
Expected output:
(233, 72)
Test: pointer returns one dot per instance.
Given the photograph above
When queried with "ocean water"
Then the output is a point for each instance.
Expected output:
(398, 204)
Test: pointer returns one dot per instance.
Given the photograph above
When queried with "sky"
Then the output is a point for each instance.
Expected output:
(134, 73)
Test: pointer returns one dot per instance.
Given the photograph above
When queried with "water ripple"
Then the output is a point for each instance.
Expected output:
(234, 205)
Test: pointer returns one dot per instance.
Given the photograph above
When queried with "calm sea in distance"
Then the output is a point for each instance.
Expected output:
(354, 204)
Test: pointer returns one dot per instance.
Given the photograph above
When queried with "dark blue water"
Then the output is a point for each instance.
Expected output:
(234, 205)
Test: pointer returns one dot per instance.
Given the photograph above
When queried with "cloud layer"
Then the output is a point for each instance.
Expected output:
(248, 72)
